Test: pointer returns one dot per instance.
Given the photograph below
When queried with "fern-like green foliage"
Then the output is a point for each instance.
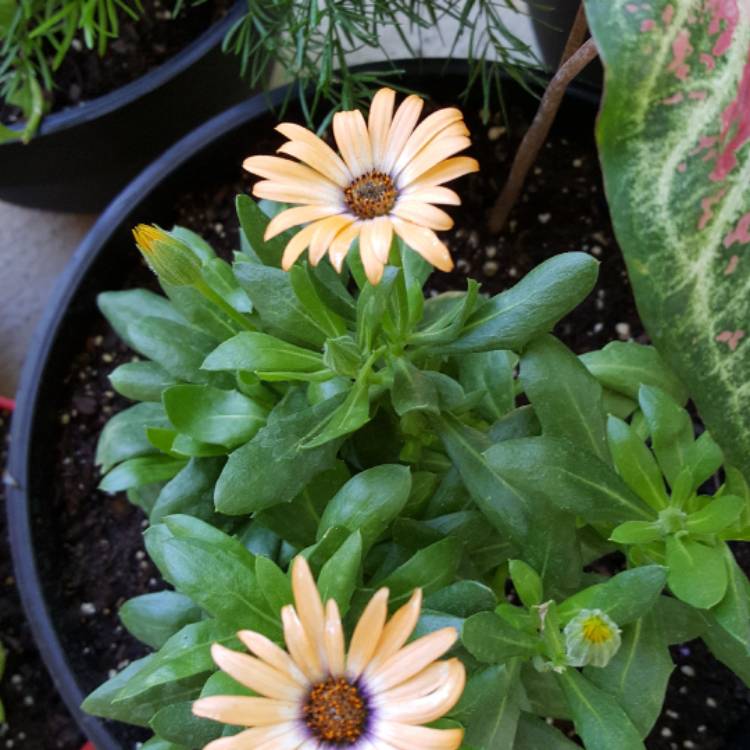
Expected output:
(310, 41)
(35, 37)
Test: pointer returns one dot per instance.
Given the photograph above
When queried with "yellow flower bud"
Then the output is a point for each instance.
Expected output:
(169, 258)
(591, 638)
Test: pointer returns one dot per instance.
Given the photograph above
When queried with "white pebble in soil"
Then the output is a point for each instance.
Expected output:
(687, 670)
(623, 331)
(87, 609)
(490, 268)
(544, 218)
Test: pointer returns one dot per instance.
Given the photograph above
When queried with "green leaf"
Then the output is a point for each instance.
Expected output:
(140, 471)
(297, 522)
(154, 618)
(347, 418)
(716, 515)
(527, 582)
(676, 175)
(203, 314)
(444, 316)
(598, 717)
(462, 599)
(255, 352)
(306, 291)
(636, 464)
(218, 275)
(636, 532)
(179, 349)
(156, 743)
(491, 639)
(680, 622)
(411, 390)
(566, 398)
(338, 577)
(141, 381)
(185, 654)
(368, 502)
(253, 223)
(532, 307)
(697, 572)
(430, 569)
(624, 366)
(215, 579)
(124, 435)
(490, 707)
(274, 300)
(534, 733)
(274, 467)
(638, 674)
(139, 711)
(177, 723)
(551, 468)
(491, 373)
(123, 309)
(342, 355)
(624, 597)
(191, 491)
(704, 457)
(274, 583)
(212, 415)
(504, 506)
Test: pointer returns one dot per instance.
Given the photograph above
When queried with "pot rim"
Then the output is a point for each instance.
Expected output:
(20, 522)
(120, 97)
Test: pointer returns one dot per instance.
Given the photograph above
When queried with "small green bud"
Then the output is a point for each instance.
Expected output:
(169, 258)
(672, 520)
(591, 638)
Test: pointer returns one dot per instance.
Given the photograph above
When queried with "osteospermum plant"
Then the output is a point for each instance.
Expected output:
(312, 448)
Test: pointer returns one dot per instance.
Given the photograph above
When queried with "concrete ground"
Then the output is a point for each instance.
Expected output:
(35, 245)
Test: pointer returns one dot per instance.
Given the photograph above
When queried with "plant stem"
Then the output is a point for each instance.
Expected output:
(537, 134)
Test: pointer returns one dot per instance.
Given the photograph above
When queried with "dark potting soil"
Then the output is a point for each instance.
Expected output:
(141, 45)
(99, 561)
(35, 717)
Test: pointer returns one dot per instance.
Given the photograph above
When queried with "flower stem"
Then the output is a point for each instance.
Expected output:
(571, 64)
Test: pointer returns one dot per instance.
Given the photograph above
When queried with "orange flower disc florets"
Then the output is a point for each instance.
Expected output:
(335, 711)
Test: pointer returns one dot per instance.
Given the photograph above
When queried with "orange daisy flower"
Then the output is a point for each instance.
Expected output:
(388, 177)
(319, 696)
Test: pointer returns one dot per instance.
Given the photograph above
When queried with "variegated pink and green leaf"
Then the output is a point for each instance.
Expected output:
(674, 140)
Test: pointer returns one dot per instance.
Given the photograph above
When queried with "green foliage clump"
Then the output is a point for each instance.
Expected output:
(35, 36)
(449, 443)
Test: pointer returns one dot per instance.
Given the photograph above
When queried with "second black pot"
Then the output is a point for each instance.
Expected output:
(81, 157)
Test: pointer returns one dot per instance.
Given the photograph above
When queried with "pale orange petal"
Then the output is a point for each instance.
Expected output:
(428, 129)
(304, 653)
(448, 170)
(256, 737)
(379, 236)
(288, 172)
(341, 244)
(397, 631)
(334, 640)
(431, 194)
(298, 215)
(407, 737)
(298, 244)
(422, 214)
(431, 155)
(318, 154)
(265, 649)
(425, 242)
(367, 634)
(244, 711)
(430, 707)
(296, 193)
(353, 141)
(255, 674)
(401, 128)
(325, 234)
(374, 267)
(421, 684)
(379, 122)
(412, 659)
(308, 604)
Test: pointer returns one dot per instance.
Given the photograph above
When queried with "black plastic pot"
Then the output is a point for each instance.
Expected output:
(82, 156)
(98, 265)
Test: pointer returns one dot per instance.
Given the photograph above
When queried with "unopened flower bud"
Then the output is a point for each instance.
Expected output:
(169, 258)
(591, 638)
